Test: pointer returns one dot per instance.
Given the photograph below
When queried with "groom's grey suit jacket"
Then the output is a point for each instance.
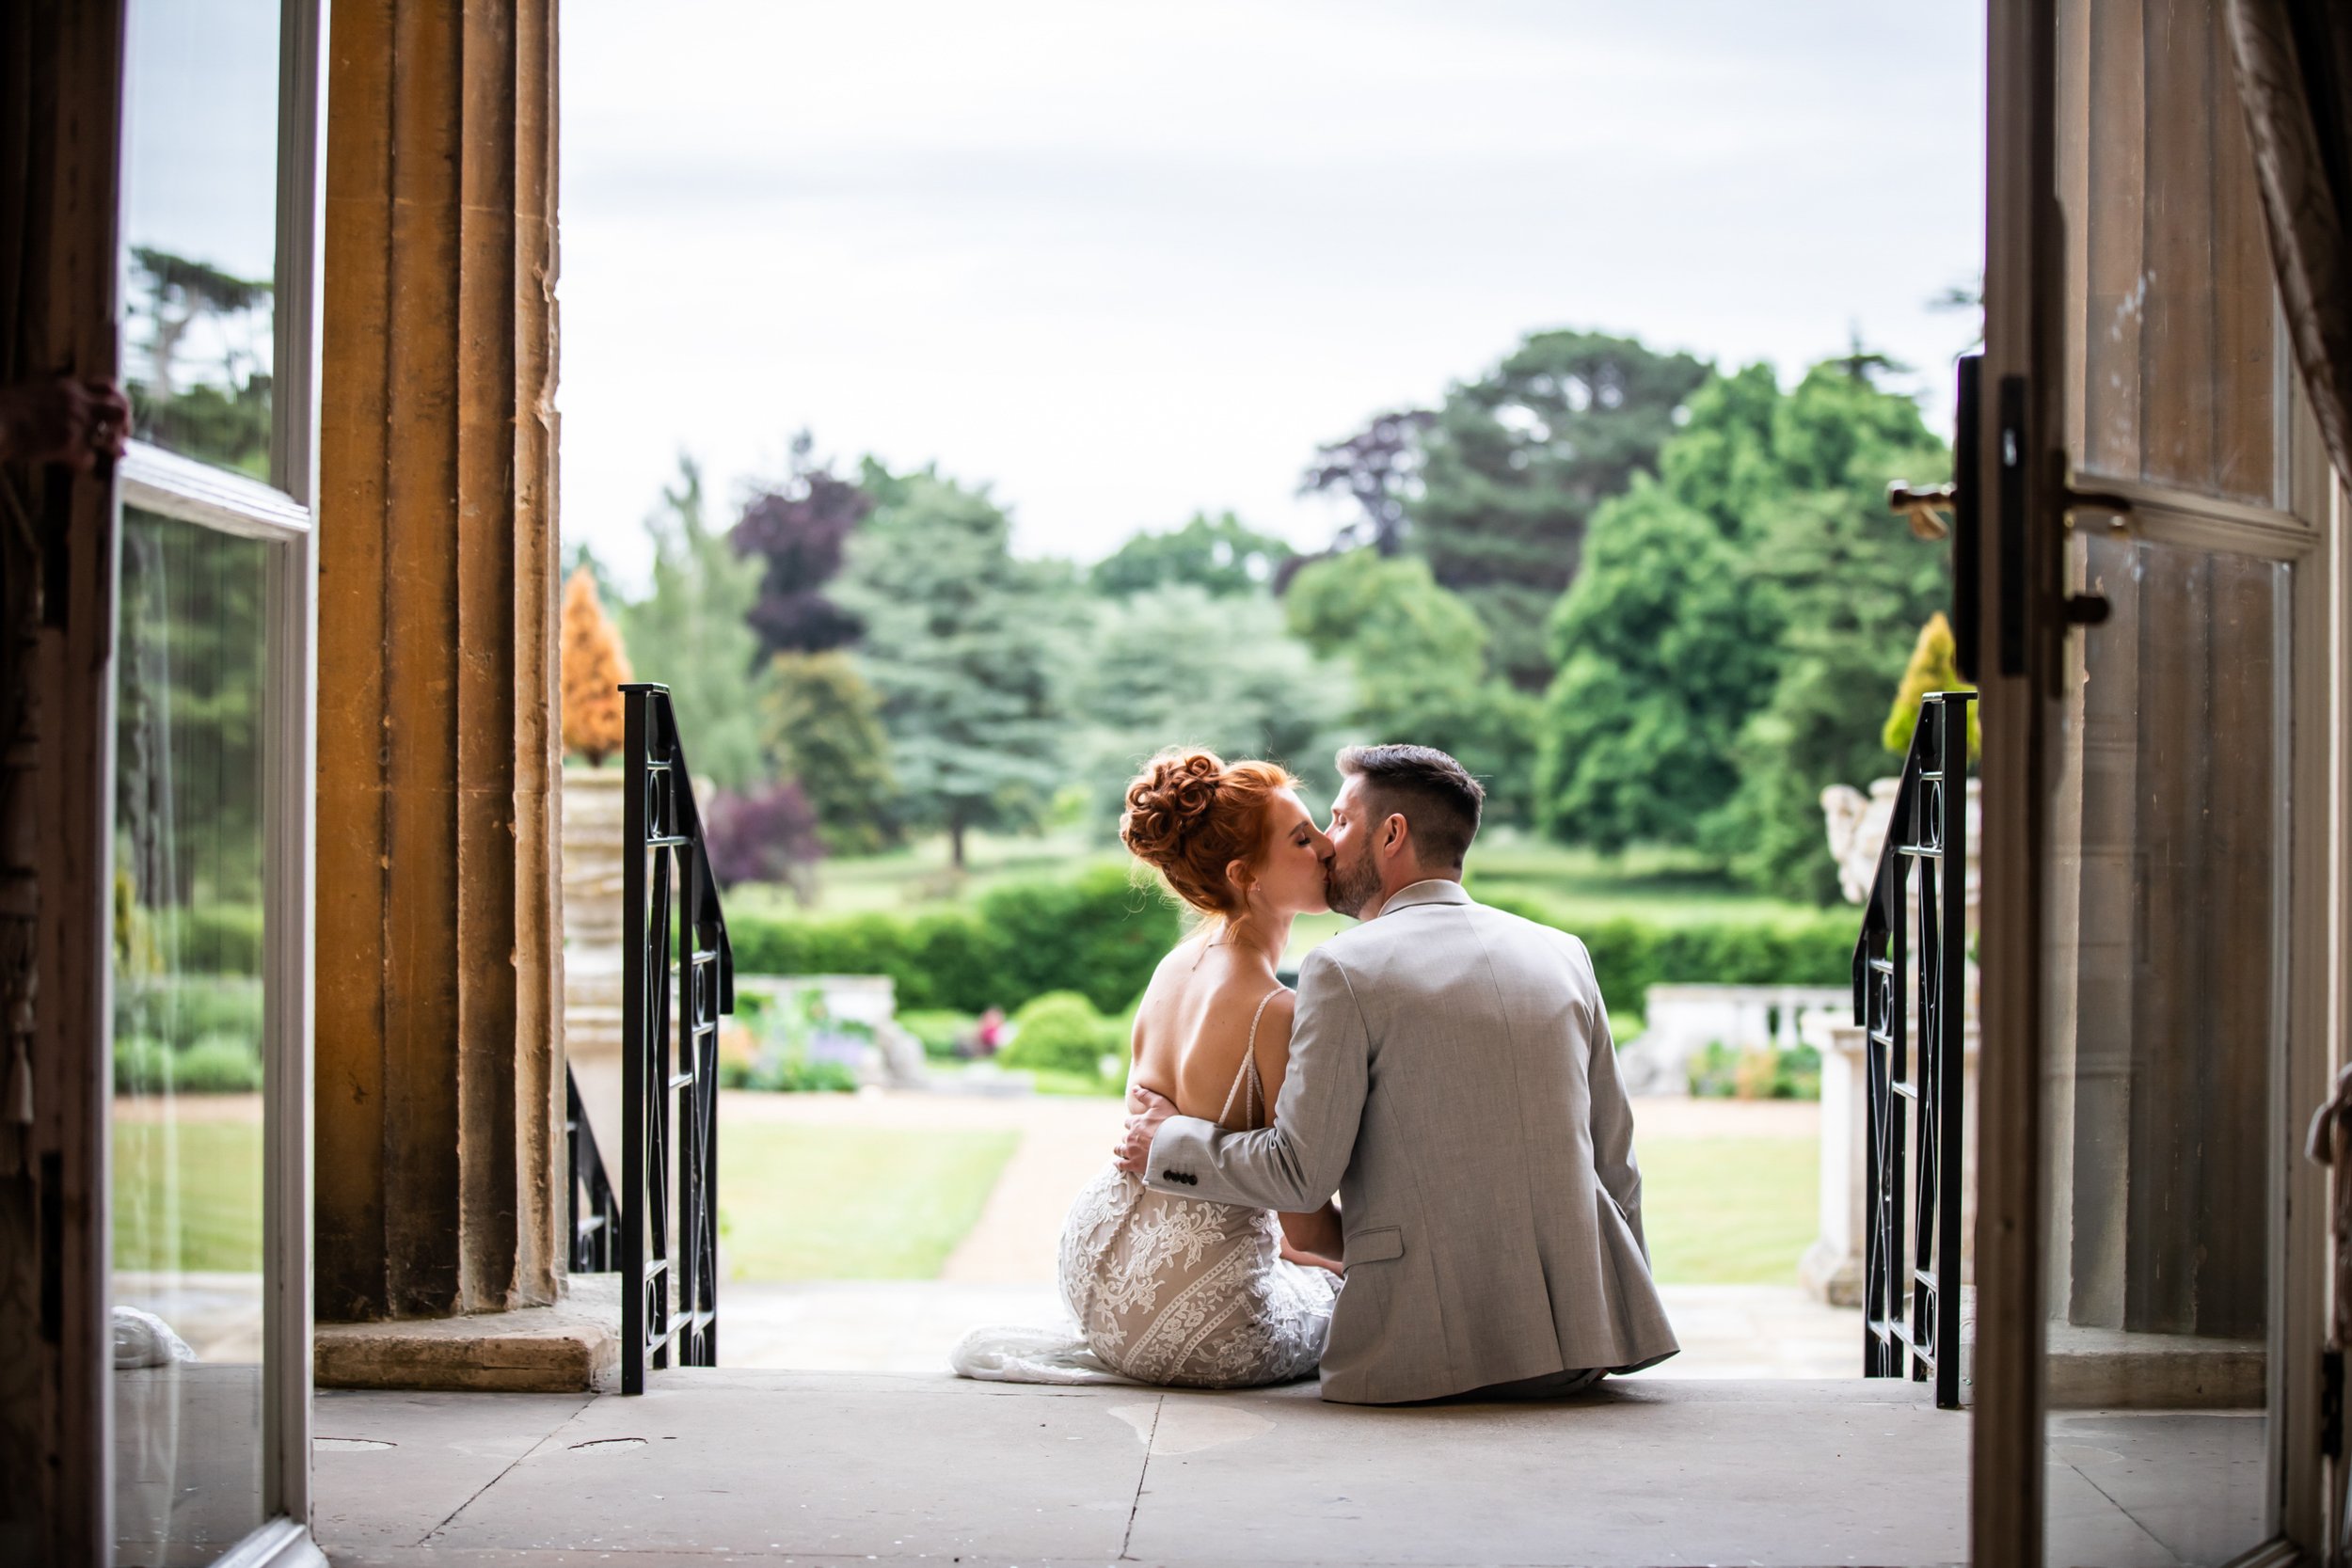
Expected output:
(1453, 1079)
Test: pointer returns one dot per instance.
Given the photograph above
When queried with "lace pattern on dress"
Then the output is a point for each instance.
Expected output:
(1173, 1290)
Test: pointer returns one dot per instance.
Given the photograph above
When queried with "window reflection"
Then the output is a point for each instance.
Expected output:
(201, 225)
(187, 1181)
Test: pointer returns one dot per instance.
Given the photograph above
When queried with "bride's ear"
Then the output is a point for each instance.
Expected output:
(1238, 877)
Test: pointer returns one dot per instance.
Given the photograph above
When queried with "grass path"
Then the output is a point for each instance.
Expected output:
(1729, 1189)
(813, 1202)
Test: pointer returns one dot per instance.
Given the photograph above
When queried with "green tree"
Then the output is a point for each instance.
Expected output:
(1419, 653)
(968, 647)
(1664, 648)
(1220, 554)
(822, 725)
(1177, 665)
(1725, 653)
(690, 634)
(1518, 461)
(220, 411)
(1850, 586)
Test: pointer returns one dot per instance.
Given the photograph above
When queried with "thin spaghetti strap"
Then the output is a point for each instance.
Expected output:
(1248, 1073)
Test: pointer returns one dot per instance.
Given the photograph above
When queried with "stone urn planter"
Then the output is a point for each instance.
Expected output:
(592, 944)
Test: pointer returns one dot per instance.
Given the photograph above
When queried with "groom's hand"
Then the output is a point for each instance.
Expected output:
(1147, 1110)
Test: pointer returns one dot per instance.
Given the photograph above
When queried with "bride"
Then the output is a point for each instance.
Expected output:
(1169, 1290)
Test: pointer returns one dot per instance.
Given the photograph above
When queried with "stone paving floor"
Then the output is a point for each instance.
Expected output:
(1003, 1270)
(723, 1467)
(907, 1327)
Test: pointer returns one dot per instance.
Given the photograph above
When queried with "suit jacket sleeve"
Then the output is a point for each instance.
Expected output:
(1294, 1165)
(1612, 1115)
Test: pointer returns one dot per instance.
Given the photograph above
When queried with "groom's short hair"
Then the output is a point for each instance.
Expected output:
(1434, 793)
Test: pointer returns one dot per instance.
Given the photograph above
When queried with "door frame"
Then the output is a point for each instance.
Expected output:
(282, 514)
(2026, 336)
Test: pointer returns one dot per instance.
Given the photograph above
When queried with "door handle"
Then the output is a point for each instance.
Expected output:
(1928, 508)
(2092, 610)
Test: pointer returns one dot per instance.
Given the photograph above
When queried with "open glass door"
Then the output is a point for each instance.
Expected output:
(210, 1164)
(2158, 608)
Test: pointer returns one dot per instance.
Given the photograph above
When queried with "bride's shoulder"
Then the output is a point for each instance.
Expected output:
(1281, 1009)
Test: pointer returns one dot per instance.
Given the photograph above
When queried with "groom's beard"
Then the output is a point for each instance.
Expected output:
(1350, 887)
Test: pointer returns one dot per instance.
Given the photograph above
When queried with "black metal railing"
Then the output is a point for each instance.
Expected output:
(596, 1213)
(1915, 939)
(675, 949)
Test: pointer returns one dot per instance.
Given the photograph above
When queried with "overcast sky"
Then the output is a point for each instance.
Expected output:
(1129, 259)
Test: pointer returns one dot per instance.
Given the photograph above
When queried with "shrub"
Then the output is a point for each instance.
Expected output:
(218, 1064)
(142, 1065)
(796, 1073)
(187, 1008)
(221, 939)
(1719, 1073)
(1062, 1032)
(768, 836)
(939, 1029)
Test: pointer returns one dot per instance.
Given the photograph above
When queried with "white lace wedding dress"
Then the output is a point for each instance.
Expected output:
(1171, 1290)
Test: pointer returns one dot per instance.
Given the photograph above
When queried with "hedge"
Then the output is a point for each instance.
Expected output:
(1101, 934)
(1632, 956)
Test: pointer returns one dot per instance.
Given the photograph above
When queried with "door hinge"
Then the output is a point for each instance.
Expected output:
(2332, 1403)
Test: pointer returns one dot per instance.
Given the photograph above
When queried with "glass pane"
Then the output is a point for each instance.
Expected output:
(2169, 292)
(200, 226)
(2165, 895)
(187, 1053)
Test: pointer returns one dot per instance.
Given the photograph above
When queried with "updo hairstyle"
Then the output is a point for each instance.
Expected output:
(1189, 816)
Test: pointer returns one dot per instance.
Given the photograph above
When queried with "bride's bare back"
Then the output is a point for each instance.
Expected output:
(1206, 1003)
(1194, 1025)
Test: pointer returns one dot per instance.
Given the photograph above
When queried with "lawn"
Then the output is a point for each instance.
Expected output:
(800, 1202)
(1729, 1211)
(211, 1171)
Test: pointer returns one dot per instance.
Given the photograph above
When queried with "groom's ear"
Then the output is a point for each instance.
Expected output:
(1395, 832)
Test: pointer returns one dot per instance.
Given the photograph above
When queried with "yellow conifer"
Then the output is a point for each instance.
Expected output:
(595, 666)
(1934, 667)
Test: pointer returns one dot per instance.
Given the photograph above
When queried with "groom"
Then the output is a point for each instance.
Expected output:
(1451, 1077)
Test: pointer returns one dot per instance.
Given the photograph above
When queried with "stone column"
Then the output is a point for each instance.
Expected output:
(439, 961)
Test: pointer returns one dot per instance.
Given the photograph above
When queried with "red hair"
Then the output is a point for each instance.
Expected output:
(1190, 815)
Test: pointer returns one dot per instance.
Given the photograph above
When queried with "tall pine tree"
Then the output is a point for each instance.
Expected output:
(690, 634)
(967, 646)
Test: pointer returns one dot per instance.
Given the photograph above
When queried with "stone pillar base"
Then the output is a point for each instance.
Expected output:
(573, 1347)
